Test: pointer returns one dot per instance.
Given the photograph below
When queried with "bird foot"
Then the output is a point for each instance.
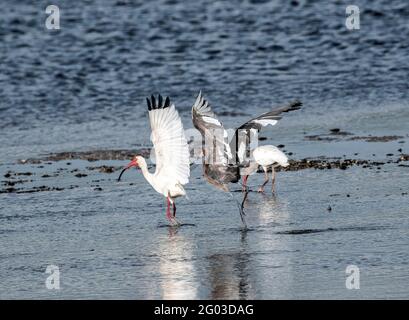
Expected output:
(260, 190)
(174, 222)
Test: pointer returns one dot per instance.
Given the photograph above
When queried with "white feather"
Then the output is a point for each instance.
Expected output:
(265, 122)
(171, 148)
(211, 120)
(268, 155)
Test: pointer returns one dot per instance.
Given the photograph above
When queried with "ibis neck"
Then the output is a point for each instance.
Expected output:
(144, 168)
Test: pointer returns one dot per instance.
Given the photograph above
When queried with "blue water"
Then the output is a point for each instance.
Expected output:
(84, 86)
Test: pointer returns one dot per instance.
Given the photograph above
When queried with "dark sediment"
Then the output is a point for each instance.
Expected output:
(336, 134)
(318, 163)
(375, 138)
(319, 138)
(328, 163)
(94, 155)
(81, 175)
(404, 157)
(105, 169)
(32, 190)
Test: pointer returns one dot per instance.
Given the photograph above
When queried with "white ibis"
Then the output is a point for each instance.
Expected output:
(265, 156)
(218, 168)
(171, 154)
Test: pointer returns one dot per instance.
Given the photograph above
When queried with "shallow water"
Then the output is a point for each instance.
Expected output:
(83, 87)
(115, 243)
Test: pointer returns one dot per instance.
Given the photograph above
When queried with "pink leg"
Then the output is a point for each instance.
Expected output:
(273, 179)
(168, 215)
(174, 209)
(261, 189)
(244, 183)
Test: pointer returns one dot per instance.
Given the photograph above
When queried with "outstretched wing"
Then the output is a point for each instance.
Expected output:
(169, 141)
(270, 117)
(216, 149)
(242, 135)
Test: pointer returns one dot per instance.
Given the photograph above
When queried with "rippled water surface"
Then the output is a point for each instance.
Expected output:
(83, 87)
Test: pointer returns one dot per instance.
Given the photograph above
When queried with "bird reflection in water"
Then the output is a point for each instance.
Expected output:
(271, 209)
(176, 268)
(235, 274)
(266, 209)
(230, 273)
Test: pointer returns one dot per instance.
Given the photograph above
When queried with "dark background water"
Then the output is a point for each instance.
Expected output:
(95, 72)
(84, 87)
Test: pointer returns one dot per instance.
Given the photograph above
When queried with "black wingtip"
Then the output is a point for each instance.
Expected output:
(295, 105)
(160, 100)
(167, 103)
(152, 105)
(149, 104)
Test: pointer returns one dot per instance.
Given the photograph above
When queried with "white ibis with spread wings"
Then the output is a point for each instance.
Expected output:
(171, 154)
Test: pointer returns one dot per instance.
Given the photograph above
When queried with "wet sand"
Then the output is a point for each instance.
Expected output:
(61, 163)
(328, 213)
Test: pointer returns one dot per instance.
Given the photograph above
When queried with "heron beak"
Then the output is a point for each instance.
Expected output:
(131, 164)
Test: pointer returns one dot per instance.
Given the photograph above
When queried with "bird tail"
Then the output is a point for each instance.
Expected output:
(180, 186)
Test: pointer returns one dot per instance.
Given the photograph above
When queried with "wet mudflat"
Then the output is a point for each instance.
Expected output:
(111, 239)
